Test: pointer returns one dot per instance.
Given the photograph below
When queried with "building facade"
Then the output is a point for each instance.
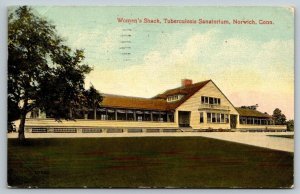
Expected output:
(200, 106)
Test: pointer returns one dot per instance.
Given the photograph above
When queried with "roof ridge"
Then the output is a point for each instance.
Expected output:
(182, 87)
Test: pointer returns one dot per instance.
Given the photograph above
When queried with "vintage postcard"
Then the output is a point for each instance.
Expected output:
(150, 97)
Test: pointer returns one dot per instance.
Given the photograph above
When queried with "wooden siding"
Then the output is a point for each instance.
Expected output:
(193, 103)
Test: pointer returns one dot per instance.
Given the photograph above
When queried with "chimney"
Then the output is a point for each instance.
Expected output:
(186, 82)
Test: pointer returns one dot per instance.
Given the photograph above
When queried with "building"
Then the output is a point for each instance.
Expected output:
(195, 107)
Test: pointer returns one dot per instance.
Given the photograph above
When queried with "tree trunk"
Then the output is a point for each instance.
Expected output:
(22, 122)
(21, 128)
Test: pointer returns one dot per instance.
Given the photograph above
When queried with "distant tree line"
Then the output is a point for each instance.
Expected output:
(280, 119)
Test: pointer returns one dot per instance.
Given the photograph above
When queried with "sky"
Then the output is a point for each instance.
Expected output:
(250, 63)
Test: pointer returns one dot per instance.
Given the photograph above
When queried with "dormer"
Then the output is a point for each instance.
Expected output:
(174, 98)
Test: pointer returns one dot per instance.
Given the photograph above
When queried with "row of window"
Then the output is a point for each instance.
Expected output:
(255, 121)
(210, 100)
(214, 118)
(139, 117)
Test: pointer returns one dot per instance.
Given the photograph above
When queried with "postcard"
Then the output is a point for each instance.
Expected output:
(150, 97)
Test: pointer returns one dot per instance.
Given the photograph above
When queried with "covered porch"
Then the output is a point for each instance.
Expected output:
(117, 114)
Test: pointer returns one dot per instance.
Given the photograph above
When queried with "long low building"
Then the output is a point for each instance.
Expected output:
(195, 107)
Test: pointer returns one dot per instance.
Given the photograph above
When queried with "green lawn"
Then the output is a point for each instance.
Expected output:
(146, 162)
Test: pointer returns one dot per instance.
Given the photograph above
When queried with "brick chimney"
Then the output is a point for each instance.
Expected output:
(186, 82)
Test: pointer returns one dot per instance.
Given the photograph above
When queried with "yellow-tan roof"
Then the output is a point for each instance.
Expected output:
(126, 102)
(245, 112)
(156, 103)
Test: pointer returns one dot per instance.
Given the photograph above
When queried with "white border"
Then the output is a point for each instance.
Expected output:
(3, 88)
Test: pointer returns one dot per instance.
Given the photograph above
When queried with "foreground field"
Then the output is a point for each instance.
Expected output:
(146, 162)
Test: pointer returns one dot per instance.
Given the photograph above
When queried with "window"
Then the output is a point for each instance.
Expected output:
(174, 98)
(226, 118)
(213, 117)
(250, 121)
(211, 100)
(253, 121)
(201, 117)
(222, 118)
(147, 116)
(215, 100)
(206, 100)
(171, 117)
(218, 117)
(155, 116)
(209, 117)
(103, 117)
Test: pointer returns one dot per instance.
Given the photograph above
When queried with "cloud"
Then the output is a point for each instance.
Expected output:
(248, 71)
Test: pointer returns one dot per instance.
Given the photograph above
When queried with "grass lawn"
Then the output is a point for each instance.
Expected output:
(146, 162)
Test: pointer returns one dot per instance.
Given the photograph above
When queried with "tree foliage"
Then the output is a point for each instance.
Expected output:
(43, 72)
(93, 98)
(253, 107)
(290, 125)
(279, 117)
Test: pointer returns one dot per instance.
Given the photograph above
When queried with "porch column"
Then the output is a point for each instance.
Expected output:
(151, 116)
(95, 113)
(116, 114)
(134, 115)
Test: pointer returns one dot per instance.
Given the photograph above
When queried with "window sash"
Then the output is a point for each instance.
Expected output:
(201, 117)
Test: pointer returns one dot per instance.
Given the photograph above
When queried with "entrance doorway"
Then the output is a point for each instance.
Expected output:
(233, 121)
(184, 118)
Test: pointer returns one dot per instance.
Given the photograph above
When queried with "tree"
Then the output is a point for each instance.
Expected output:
(42, 72)
(252, 107)
(279, 118)
(93, 99)
(290, 125)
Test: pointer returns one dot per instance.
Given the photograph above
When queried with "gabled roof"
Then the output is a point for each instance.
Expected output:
(187, 90)
(245, 112)
(158, 102)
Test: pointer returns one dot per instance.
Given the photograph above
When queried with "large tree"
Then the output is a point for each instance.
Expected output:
(279, 117)
(43, 72)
